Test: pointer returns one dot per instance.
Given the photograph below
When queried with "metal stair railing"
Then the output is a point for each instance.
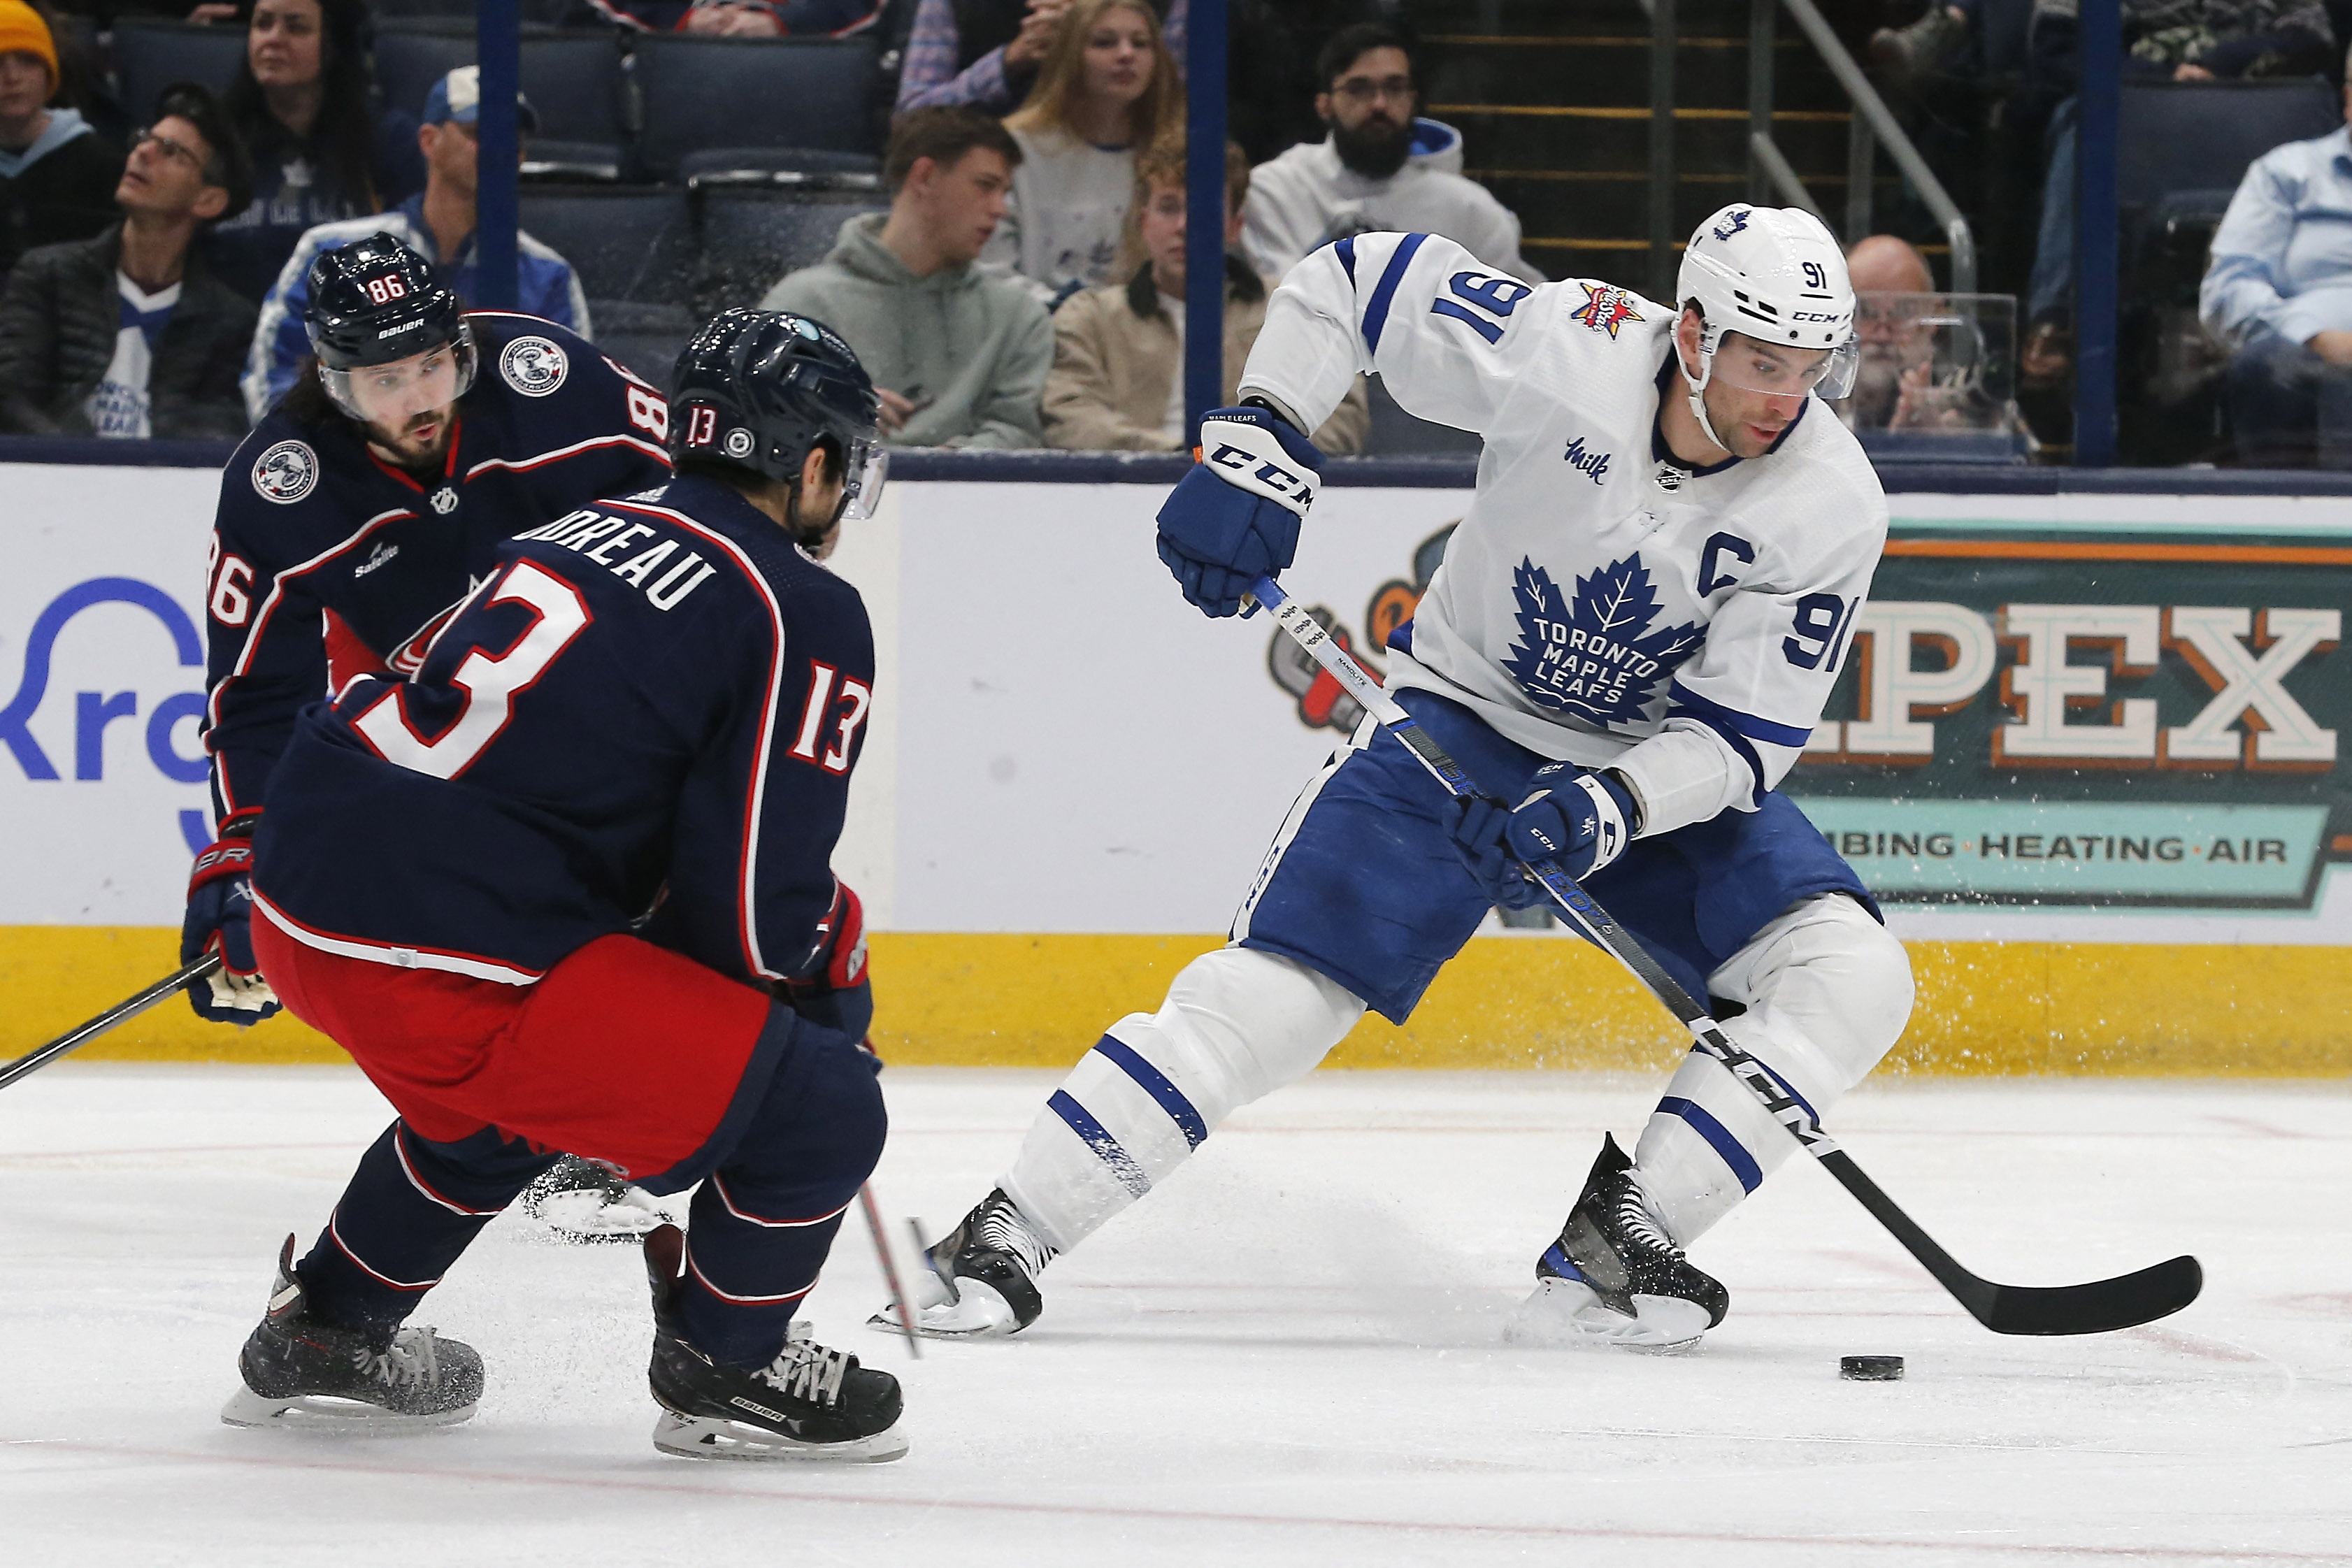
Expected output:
(1872, 124)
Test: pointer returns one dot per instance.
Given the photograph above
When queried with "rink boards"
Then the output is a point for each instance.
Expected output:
(2085, 747)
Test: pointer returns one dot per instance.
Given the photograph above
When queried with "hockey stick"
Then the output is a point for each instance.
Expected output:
(2098, 1307)
(33, 1060)
(890, 1269)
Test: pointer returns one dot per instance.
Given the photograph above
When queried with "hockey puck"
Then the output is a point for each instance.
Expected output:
(1870, 1368)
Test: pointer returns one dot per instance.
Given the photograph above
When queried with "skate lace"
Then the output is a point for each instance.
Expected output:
(808, 1371)
(1002, 1229)
(411, 1359)
(1636, 1225)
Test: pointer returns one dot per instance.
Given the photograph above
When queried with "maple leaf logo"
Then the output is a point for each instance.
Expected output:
(1604, 308)
(1596, 658)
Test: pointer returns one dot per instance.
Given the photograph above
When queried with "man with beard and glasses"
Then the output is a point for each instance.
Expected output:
(354, 517)
(1380, 170)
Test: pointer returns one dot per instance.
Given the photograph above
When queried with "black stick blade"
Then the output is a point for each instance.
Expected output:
(2102, 1306)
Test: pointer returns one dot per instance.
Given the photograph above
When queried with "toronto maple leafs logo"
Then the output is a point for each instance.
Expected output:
(1733, 222)
(1604, 308)
(1597, 658)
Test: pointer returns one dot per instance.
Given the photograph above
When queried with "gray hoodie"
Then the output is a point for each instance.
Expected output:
(973, 350)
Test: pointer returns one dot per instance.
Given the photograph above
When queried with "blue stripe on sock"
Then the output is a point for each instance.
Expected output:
(1172, 1099)
(1105, 1147)
(1743, 1164)
(1376, 314)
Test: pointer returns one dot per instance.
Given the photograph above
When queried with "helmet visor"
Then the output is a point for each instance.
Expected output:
(868, 469)
(390, 395)
(1777, 370)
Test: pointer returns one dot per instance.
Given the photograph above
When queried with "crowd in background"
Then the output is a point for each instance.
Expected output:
(1022, 288)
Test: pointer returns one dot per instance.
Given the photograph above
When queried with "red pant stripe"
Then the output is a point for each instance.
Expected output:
(374, 1273)
(400, 1147)
(734, 1300)
(728, 1198)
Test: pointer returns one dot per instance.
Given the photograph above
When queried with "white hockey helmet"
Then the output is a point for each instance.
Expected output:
(1775, 275)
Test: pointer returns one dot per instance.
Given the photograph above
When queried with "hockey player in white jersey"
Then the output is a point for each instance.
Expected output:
(1633, 634)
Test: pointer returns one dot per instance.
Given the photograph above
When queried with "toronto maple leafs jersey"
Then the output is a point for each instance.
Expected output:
(648, 702)
(1600, 603)
(327, 561)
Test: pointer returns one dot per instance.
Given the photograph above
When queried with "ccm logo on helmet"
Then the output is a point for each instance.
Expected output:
(1817, 316)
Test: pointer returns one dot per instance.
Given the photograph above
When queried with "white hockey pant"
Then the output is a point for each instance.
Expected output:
(1237, 1024)
(1827, 991)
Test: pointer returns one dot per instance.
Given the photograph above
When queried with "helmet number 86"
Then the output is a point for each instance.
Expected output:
(384, 290)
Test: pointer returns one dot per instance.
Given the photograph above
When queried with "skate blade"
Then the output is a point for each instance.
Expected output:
(1567, 1312)
(588, 1218)
(319, 1413)
(979, 1312)
(713, 1437)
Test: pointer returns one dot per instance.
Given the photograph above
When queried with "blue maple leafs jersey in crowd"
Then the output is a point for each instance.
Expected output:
(1600, 603)
(659, 697)
(327, 561)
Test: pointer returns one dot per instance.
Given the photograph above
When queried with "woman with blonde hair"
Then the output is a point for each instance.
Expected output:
(1107, 90)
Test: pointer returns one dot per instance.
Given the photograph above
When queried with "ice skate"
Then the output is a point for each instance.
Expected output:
(810, 1403)
(1614, 1276)
(582, 1202)
(299, 1372)
(980, 1280)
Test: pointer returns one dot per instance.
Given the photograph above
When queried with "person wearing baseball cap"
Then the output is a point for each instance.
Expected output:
(57, 174)
(437, 223)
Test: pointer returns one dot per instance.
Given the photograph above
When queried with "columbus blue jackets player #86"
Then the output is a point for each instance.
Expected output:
(363, 506)
(1632, 635)
(568, 887)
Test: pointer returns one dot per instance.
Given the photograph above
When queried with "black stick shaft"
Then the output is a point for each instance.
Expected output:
(890, 1269)
(130, 1008)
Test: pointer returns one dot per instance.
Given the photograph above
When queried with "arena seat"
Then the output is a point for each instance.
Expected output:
(704, 95)
(632, 243)
(572, 77)
(150, 55)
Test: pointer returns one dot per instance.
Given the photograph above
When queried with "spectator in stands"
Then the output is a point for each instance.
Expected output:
(1379, 169)
(2181, 40)
(437, 223)
(1889, 276)
(2279, 291)
(127, 335)
(959, 358)
(742, 19)
(57, 174)
(986, 52)
(1117, 383)
(300, 101)
(1107, 90)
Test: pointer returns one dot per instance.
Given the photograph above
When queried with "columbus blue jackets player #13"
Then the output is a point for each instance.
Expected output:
(567, 887)
(369, 501)
(1633, 632)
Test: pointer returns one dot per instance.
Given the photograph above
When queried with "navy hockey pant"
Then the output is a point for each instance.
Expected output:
(779, 1156)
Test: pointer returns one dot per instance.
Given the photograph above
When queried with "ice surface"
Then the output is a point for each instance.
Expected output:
(1289, 1355)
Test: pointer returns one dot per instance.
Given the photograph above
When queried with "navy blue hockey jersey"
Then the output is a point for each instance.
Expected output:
(325, 557)
(657, 699)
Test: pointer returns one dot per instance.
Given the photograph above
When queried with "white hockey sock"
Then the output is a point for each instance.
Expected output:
(1828, 992)
(1237, 1024)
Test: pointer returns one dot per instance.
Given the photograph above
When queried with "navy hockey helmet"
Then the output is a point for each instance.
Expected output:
(375, 302)
(758, 388)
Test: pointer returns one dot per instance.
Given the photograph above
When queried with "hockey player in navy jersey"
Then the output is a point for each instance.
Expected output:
(567, 887)
(1631, 637)
(364, 505)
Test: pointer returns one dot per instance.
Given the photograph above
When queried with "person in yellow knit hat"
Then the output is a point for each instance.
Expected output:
(57, 174)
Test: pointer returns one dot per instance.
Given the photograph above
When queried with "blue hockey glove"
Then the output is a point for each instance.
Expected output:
(1579, 819)
(1234, 518)
(836, 989)
(220, 915)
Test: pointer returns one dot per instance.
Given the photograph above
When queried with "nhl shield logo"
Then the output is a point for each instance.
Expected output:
(444, 500)
(533, 366)
(286, 472)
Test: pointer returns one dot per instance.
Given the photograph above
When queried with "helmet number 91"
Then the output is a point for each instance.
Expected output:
(1814, 277)
(384, 290)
